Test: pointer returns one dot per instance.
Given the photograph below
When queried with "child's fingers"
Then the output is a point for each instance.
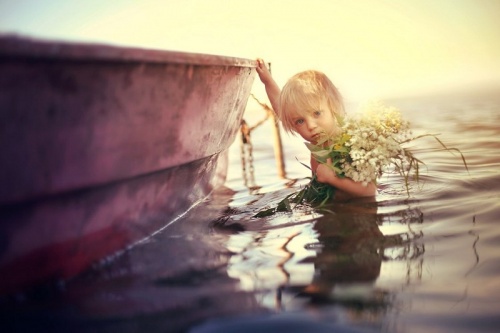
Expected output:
(261, 64)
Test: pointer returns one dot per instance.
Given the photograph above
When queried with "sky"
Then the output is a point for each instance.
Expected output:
(368, 48)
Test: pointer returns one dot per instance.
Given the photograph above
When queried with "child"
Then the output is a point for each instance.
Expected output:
(311, 105)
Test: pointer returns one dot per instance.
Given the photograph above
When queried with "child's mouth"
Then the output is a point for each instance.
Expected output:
(316, 137)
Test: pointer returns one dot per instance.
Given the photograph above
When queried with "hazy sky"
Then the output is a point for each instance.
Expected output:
(368, 48)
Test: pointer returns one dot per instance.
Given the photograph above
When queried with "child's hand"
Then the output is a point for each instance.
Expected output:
(263, 71)
(325, 173)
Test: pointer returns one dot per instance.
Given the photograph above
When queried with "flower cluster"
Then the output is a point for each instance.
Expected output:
(369, 145)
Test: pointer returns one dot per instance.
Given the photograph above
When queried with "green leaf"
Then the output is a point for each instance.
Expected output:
(321, 153)
(284, 206)
(266, 212)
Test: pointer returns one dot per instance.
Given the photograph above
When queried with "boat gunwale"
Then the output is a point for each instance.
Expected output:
(20, 47)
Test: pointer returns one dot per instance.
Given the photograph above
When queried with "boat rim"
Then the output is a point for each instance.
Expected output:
(18, 47)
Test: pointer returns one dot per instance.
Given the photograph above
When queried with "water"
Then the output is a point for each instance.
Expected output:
(425, 263)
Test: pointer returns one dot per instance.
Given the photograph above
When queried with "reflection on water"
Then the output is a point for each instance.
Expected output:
(333, 257)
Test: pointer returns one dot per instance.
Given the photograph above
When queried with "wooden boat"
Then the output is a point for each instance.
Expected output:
(102, 146)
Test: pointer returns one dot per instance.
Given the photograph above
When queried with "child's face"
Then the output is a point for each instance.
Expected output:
(312, 124)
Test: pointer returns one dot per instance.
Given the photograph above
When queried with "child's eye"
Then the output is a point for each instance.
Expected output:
(299, 122)
(317, 113)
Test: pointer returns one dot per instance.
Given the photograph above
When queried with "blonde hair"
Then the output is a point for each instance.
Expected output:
(304, 92)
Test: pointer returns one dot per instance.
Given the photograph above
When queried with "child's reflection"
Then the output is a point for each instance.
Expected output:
(348, 248)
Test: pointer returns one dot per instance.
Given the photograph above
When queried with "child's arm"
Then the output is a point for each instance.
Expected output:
(272, 89)
(324, 174)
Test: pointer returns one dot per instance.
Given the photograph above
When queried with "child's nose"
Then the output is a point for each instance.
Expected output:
(311, 124)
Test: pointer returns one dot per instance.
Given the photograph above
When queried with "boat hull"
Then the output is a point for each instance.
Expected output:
(102, 146)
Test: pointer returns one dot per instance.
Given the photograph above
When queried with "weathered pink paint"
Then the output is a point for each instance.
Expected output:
(100, 146)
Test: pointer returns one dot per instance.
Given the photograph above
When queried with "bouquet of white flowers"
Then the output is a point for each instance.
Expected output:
(369, 145)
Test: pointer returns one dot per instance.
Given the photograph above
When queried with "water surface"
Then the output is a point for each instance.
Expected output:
(428, 262)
